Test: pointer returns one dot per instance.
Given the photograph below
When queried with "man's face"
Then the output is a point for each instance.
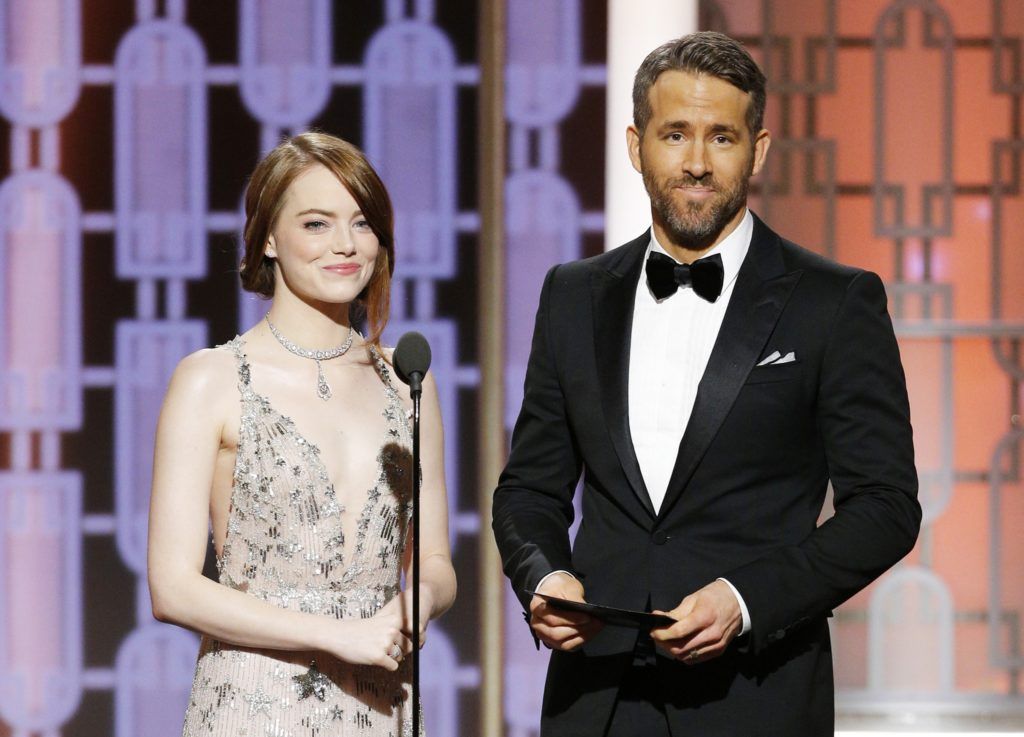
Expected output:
(696, 157)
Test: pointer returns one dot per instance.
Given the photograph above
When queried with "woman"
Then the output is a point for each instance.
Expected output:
(294, 441)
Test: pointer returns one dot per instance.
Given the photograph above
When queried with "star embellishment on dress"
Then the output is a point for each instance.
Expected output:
(312, 683)
(259, 701)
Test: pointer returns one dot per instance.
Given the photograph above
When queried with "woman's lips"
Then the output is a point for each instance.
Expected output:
(342, 269)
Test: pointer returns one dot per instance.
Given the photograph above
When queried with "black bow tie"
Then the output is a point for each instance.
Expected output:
(705, 275)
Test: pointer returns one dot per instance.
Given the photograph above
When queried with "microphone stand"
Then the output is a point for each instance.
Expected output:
(412, 360)
(416, 390)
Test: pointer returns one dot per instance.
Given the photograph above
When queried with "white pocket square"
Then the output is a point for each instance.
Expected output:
(770, 359)
(776, 358)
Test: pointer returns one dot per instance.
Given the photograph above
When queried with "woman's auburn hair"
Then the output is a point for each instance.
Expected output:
(264, 199)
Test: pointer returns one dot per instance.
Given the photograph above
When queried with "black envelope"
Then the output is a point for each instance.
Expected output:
(609, 614)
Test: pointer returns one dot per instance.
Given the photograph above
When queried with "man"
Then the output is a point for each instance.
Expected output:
(710, 379)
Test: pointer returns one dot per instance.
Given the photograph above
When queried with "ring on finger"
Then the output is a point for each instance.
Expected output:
(396, 652)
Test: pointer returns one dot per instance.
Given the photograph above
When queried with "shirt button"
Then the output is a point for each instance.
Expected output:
(660, 537)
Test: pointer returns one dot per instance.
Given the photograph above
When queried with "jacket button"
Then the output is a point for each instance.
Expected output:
(660, 537)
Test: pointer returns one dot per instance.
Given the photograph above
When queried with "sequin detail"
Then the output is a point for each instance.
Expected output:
(312, 683)
(286, 545)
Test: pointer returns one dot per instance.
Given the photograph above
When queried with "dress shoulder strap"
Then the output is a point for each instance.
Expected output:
(241, 363)
(396, 411)
(381, 365)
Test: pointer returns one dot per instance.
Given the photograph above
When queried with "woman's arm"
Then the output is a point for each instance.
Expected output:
(437, 576)
(436, 571)
(189, 433)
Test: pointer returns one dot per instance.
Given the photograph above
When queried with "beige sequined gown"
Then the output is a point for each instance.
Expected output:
(285, 545)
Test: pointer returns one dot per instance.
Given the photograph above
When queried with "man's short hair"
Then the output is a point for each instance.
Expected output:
(704, 52)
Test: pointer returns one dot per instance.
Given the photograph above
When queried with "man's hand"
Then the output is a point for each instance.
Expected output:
(709, 619)
(561, 630)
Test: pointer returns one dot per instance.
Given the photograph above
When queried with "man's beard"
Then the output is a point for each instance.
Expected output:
(690, 226)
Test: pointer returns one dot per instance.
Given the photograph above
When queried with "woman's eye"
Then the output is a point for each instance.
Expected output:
(361, 225)
(315, 225)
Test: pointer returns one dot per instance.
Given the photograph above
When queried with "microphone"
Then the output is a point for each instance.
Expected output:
(412, 360)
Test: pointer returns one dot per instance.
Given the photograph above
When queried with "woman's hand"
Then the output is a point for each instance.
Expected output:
(377, 640)
(402, 605)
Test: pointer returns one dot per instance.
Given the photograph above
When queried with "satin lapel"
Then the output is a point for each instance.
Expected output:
(761, 291)
(614, 293)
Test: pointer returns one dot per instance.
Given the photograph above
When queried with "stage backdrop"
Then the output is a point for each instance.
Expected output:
(131, 126)
(897, 147)
(130, 130)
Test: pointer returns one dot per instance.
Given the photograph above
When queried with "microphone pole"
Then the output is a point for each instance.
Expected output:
(412, 360)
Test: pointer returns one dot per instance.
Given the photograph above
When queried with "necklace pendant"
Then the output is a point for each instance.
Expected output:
(323, 389)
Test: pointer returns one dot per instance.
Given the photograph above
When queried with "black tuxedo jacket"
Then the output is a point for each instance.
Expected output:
(748, 486)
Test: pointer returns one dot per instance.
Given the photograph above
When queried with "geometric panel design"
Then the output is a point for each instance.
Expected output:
(147, 352)
(40, 385)
(897, 147)
(40, 562)
(130, 130)
(154, 670)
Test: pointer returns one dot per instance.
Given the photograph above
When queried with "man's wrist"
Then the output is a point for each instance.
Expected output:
(540, 584)
(744, 613)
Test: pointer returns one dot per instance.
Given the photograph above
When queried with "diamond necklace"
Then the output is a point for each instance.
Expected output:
(323, 389)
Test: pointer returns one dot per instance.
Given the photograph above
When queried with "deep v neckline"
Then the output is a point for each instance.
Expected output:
(257, 403)
(292, 427)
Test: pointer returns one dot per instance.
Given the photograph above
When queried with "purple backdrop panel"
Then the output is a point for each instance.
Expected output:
(251, 309)
(40, 337)
(40, 598)
(525, 669)
(40, 56)
(146, 354)
(160, 142)
(154, 671)
(285, 81)
(542, 75)
(542, 228)
(440, 685)
(409, 134)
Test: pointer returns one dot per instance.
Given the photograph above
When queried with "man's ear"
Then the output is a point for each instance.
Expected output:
(762, 142)
(633, 145)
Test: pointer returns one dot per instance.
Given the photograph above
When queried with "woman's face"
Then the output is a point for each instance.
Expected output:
(324, 248)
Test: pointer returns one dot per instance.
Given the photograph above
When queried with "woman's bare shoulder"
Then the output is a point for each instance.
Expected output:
(208, 375)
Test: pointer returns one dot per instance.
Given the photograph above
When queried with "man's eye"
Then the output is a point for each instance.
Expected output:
(675, 137)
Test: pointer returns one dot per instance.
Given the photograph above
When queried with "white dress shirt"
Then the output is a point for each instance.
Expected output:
(671, 344)
(670, 347)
